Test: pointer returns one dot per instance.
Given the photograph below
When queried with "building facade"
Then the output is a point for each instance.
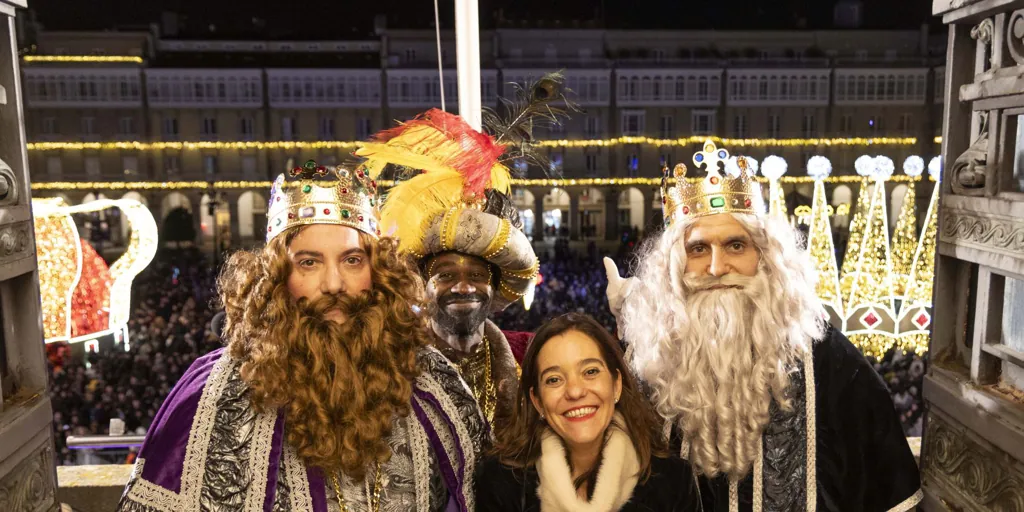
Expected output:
(260, 107)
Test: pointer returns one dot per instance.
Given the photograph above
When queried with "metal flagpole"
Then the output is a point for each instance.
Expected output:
(467, 48)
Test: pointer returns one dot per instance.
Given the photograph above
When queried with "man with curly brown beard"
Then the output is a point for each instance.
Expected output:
(328, 395)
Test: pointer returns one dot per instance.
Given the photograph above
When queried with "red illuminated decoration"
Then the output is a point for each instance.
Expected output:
(90, 304)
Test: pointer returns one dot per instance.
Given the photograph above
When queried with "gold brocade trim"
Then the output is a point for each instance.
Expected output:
(734, 495)
(528, 273)
(476, 370)
(759, 477)
(499, 241)
(812, 431)
(449, 229)
(909, 503)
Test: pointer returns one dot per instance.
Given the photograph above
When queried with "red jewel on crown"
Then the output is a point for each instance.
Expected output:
(321, 170)
(291, 215)
(686, 210)
(344, 190)
(714, 180)
(746, 203)
(327, 211)
(296, 171)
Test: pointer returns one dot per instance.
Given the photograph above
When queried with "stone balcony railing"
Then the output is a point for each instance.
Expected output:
(88, 488)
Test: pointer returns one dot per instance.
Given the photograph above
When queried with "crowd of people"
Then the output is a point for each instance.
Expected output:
(170, 327)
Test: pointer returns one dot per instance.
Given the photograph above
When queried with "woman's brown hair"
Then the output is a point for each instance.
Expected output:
(518, 442)
(339, 399)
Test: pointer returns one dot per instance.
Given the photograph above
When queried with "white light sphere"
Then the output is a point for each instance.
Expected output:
(913, 165)
(935, 168)
(883, 167)
(774, 167)
(819, 167)
(865, 165)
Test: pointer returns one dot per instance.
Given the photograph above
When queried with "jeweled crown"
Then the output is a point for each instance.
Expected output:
(317, 194)
(721, 191)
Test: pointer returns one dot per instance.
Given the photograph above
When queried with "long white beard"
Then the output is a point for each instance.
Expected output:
(717, 377)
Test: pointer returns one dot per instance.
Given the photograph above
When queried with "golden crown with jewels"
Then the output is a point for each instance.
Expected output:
(723, 190)
(317, 194)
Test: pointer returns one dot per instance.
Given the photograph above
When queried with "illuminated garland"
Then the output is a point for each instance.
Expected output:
(561, 182)
(563, 143)
(82, 58)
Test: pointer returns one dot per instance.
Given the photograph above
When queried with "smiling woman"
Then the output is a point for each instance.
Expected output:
(581, 437)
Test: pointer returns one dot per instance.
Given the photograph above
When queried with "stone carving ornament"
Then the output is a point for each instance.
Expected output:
(979, 475)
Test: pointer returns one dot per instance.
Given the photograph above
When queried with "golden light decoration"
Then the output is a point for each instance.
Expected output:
(823, 253)
(59, 258)
(141, 249)
(870, 318)
(904, 242)
(564, 143)
(856, 233)
(83, 58)
(90, 307)
(803, 212)
(560, 182)
(915, 317)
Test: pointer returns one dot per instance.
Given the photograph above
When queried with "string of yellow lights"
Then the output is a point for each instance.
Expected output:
(563, 182)
(563, 143)
(82, 58)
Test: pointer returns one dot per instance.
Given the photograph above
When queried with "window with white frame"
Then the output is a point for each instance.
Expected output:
(92, 167)
(53, 168)
(774, 126)
(739, 126)
(172, 165)
(592, 165)
(846, 125)
(364, 128)
(288, 128)
(49, 126)
(130, 166)
(327, 128)
(906, 124)
(875, 125)
(169, 128)
(633, 122)
(88, 125)
(592, 126)
(809, 127)
(249, 167)
(246, 128)
(126, 126)
(668, 128)
(703, 122)
(208, 130)
(210, 165)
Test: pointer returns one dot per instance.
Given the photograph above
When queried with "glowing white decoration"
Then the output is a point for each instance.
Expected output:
(819, 167)
(774, 167)
(865, 166)
(935, 168)
(883, 168)
(913, 165)
(141, 249)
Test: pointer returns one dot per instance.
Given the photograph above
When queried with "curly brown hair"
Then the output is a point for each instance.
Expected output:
(340, 385)
(518, 440)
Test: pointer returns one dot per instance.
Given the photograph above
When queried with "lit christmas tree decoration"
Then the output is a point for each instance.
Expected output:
(915, 315)
(820, 245)
(856, 233)
(904, 237)
(773, 168)
(870, 317)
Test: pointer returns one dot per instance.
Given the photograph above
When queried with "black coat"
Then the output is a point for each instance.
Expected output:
(670, 488)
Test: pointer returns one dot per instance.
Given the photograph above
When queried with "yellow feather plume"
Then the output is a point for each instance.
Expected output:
(414, 203)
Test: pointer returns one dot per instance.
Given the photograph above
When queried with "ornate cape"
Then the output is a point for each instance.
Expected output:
(855, 457)
(208, 449)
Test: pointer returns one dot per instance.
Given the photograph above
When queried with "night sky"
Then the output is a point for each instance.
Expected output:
(337, 19)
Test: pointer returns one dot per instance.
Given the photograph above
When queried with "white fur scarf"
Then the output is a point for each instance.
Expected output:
(616, 477)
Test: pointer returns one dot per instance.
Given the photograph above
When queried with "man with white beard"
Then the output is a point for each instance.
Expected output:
(774, 409)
